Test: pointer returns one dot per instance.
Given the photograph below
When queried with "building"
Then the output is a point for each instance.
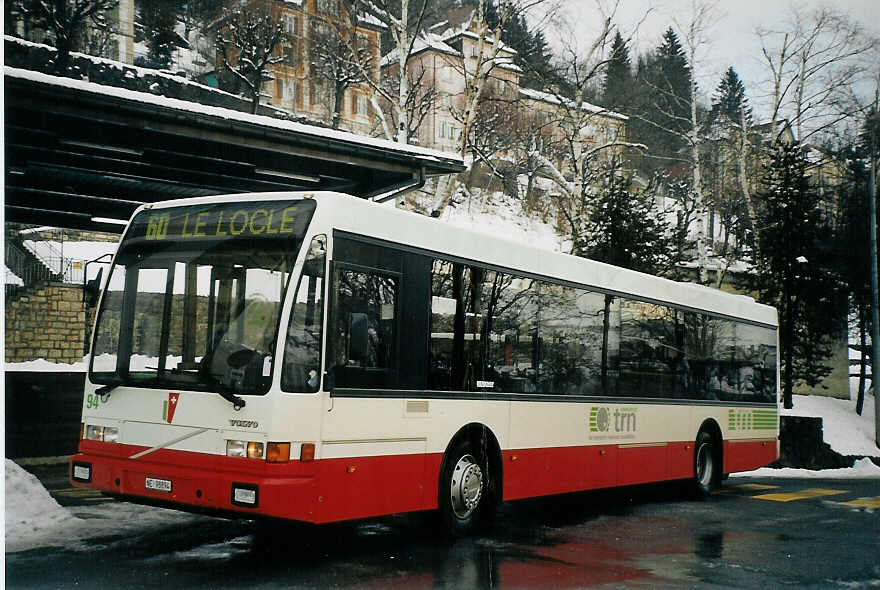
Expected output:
(315, 75)
(440, 61)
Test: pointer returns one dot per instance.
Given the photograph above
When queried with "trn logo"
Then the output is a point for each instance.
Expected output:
(602, 419)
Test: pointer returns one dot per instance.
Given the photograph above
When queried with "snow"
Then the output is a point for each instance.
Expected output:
(862, 469)
(44, 366)
(129, 69)
(501, 216)
(553, 99)
(10, 278)
(231, 115)
(50, 251)
(845, 431)
(34, 519)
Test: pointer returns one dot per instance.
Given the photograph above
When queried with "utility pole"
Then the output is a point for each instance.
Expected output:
(875, 309)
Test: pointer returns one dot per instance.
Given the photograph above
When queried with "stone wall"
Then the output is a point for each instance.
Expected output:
(46, 322)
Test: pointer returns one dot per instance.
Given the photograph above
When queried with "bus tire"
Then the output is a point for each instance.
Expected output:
(707, 464)
(465, 499)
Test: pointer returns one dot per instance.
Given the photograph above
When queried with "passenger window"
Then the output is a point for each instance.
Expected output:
(364, 329)
(302, 347)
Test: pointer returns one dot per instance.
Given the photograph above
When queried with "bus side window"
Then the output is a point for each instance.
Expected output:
(364, 328)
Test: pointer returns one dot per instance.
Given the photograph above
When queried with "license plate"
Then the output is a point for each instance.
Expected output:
(81, 472)
(159, 485)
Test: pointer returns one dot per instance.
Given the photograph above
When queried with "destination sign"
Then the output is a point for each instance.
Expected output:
(262, 219)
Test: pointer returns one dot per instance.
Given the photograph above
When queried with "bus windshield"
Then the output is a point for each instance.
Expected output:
(194, 297)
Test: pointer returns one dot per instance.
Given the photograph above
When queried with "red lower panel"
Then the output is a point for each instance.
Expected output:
(641, 464)
(680, 458)
(340, 489)
(748, 455)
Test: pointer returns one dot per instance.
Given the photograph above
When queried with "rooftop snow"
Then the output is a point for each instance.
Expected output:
(553, 99)
(228, 114)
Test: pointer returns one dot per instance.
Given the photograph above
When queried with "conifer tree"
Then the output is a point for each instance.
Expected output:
(729, 104)
(158, 19)
(793, 269)
(729, 154)
(664, 98)
(623, 227)
(618, 87)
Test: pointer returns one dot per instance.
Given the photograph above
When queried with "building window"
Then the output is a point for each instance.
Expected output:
(327, 6)
(291, 26)
(360, 105)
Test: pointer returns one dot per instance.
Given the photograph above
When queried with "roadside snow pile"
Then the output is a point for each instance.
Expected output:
(845, 431)
(33, 517)
(862, 469)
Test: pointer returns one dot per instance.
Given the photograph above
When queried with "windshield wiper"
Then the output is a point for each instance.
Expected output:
(227, 393)
(105, 390)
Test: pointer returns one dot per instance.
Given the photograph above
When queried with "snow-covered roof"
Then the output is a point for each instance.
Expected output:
(369, 19)
(554, 99)
(231, 115)
(463, 31)
(10, 278)
(426, 41)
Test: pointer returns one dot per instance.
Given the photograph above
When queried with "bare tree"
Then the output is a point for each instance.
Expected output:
(247, 39)
(66, 20)
(475, 70)
(809, 60)
(339, 59)
(403, 20)
(567, 140)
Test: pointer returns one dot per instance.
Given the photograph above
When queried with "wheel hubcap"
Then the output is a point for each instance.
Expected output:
(466, 487)
(705, 465)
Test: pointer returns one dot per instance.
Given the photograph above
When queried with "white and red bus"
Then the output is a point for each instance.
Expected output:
(318, 357)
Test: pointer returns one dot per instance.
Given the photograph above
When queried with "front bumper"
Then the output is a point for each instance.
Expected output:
(200, 482)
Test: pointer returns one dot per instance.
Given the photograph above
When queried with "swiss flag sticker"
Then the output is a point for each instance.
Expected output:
(171, 405)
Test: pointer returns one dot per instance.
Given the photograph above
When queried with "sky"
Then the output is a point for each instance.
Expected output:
(732, 39)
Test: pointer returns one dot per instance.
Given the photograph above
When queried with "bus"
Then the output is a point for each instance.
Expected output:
(319, 357)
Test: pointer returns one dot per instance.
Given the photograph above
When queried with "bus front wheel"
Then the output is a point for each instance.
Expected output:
(707, 464)
(465, 503)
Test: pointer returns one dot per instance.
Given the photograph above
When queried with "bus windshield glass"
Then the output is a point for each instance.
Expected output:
(194, 297)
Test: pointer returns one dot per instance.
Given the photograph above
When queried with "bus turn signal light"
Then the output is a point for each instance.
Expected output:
(307, 452)
(278, 452)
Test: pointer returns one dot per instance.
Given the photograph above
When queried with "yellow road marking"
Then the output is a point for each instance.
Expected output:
(873, 503)
(756, 487)
(801, 495)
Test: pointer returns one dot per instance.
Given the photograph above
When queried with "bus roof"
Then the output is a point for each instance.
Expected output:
(380, 221)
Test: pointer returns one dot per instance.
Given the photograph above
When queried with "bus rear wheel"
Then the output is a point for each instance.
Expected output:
(465, 503)
(707, 465)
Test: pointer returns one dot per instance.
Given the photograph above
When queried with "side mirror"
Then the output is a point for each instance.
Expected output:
(358, 337)
(92, 289)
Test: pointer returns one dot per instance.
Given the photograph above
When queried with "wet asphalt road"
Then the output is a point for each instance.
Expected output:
(755, 533)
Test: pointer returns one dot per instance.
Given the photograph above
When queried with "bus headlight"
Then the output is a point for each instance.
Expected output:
(108, 434)
(241, 448)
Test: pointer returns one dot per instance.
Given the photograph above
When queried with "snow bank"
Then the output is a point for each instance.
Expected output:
(862, 469)
(844, 430)
(34, 519)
